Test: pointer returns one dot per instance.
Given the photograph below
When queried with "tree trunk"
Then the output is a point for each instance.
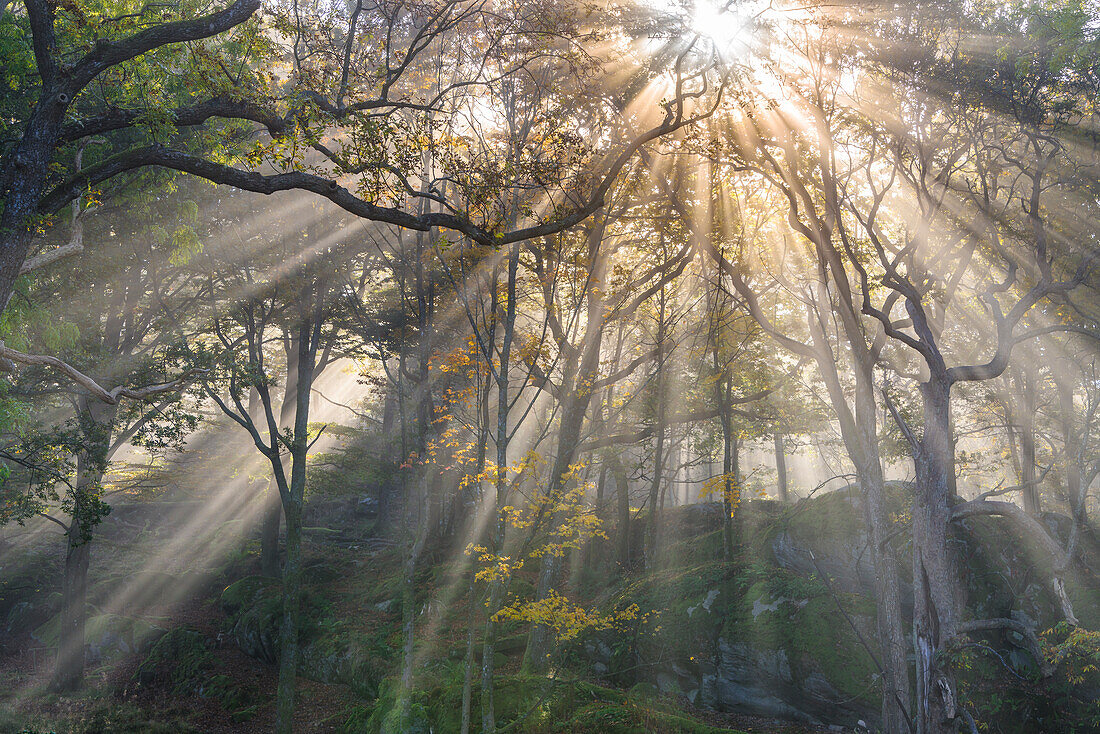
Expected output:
(1027, 444)
(468, 661)
(96, 420)
(293, 499)
(652, 527)
(582, 372)
(652, 521)
(496, 585)
(488, 650)
(935, 570)
(69, 671)
(269, 532)
(622, 505)
(859, 429)
(781, 467)
(288, 630)
(273, 506)
(471, 592)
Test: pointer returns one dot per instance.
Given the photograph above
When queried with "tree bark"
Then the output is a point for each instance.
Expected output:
(935, 569)
(859, 429)
(652, 521)
(1027, 443)
(288, 629)
(69, 671)
(269, 531)
(293, 499)
(781, 467)
(622, 506)
(577, 390)
(96, 421)
(496, 585)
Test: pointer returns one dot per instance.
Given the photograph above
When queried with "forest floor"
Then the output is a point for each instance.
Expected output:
(118, 700)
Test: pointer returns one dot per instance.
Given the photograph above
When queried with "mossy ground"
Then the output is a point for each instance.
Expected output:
(532, 704)
(195, 678)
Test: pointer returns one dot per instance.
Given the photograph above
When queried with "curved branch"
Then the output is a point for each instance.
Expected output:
(1004, 623)
(107, 54)
(196, 114)
(111, 397)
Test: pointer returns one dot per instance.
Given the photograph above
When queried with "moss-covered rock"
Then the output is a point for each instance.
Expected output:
(106, 636)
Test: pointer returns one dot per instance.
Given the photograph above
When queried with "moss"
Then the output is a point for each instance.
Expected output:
(244, 592)
(807, 624)
(632, 717)
(531, 704)
(115, 718)
(131, 633)
(183, 657)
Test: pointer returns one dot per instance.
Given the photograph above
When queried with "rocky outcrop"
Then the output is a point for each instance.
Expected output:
(769, 644)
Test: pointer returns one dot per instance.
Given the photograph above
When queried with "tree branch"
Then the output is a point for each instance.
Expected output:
(110, 397)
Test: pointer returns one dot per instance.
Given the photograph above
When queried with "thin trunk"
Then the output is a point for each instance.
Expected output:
(729, 483)
(723, 391)
(653, 520)
(293, 496)
(618, 472)
(69, 671)
(1027, 444)
(622, 504)
(859, 429)
(581, 372)
(422, 504)
(1076, 492)
(659, 445)
(288, 629)
(273, 506)
(468, 662)
(271, 512)
(781, 467)
(471, 591)
(496, 586)
(269, 531)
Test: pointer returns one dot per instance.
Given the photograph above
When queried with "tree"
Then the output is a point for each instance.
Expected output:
(243, 330)
(112, 329)
(61, 115)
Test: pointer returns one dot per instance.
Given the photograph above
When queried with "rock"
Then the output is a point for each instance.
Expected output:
(759, 607)
(22, 616)
(106, 636)
(711, 596)
(667, 684)
(738, 694)
(817, 686)
(367, 507)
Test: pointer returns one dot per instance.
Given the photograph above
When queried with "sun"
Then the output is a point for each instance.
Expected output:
(726, 24)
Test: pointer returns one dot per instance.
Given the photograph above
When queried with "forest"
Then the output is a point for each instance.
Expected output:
(455, 366)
